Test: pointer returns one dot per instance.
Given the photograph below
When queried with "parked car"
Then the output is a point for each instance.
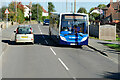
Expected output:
(23, 34)
(46, 22)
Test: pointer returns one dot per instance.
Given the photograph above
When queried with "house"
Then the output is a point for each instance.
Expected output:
(112, 12)
(95, 11)
(44, 13)
(26, 11)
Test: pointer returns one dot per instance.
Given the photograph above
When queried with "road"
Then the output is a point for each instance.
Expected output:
(46, 59)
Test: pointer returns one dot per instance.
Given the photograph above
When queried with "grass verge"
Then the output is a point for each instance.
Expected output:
(114, 46)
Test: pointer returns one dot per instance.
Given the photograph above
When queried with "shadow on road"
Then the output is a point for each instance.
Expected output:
(14, 43)
(113, 51)
(39, 39)
(111, 75)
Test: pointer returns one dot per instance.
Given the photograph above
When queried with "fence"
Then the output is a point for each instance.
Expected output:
(104, 32)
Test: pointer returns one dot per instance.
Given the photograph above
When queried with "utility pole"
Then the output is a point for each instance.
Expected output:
(66, 5)
(16, 9)
(6, 20)
(74, 6)
(71, 7)
(30, 10)
(37, 13)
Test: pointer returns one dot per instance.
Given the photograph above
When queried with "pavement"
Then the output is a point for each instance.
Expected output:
(106, 51)
(46, 59)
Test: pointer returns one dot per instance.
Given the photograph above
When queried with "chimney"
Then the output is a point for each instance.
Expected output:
(117, 0)
(111, 1)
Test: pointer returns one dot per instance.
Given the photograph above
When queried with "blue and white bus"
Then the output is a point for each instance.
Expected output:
(69, 28)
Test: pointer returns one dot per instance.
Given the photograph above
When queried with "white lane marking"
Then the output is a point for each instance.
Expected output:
(1, 54)
(53, 51)
(46, 41)
(74, 78)
(63, 64)
(42, 36)
(39, 29)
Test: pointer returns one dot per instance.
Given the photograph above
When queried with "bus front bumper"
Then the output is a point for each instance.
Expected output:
(74, 42)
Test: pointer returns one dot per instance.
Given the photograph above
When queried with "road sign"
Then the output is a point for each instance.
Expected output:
(7, 12)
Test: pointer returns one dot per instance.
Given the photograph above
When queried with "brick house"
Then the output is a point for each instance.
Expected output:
(112, 12)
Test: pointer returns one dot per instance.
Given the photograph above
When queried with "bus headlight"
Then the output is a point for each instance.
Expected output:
(63, 38)
(85, 38)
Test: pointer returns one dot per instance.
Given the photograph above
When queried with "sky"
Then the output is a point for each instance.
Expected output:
(60, 5)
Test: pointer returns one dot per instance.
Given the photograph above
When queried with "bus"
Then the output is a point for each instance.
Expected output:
(69, 28)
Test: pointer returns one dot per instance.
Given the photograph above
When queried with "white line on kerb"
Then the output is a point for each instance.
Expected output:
(63, 64)
(53, 51)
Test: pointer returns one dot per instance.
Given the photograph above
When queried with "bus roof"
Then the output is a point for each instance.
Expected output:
(56, 13)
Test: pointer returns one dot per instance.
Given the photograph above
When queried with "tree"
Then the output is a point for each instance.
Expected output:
(51, 7)
(0, 15)
(94, 16)
(3, 10)
(34, 12)
(82, 10)
(101, 6)
(20, 12)
(20, 6)
(12, 16)
(91, 10)
(20, 16)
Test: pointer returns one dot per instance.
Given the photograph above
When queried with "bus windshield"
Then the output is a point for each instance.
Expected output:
(72, 23)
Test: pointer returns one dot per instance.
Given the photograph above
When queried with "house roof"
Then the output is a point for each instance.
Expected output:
(113, 4)
(44, 10)
(26, 6)
(95, 11)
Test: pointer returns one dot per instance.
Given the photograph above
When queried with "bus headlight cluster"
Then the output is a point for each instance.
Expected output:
(85, 38)
(63, 38)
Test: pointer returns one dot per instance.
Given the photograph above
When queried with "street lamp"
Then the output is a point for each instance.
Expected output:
(30, 10)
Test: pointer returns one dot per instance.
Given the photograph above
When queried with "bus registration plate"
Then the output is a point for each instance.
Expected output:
(72, 44)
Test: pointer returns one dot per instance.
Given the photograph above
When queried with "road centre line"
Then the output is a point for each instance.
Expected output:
(63, 64)
(42, 35)
(39, 29)
(53, 51)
